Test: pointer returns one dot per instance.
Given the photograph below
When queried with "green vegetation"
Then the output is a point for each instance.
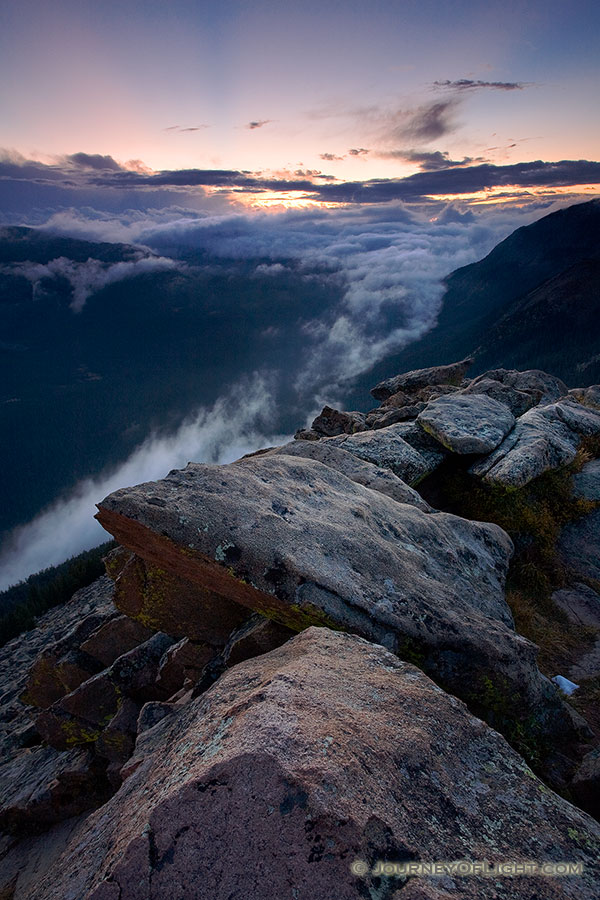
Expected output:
(20, 605)
(533, 516)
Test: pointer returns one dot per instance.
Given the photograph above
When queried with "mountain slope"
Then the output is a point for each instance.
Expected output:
(544, 275)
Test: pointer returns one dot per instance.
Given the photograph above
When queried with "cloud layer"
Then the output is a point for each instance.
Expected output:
(237, 424)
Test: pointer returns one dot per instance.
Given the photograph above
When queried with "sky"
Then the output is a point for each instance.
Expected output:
(324, 103)
(376, 146)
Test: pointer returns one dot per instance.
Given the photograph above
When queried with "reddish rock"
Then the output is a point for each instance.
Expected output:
(299, 763)
(114, 638)
(183, 662)
(80, 717)
(117, 741)
(162, 596)
(255, 637)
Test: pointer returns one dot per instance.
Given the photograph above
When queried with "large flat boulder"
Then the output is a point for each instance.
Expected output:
(387, 448)
(356, 469)
(409, 382)
(300, 543)
(466, 423)
(544, 438)
(302, 770)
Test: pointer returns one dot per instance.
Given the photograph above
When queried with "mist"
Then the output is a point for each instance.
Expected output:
(236, 424)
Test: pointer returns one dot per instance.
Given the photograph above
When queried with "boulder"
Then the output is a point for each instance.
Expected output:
(152, 593)
(300, 543)
(542, 388)
(579, 546)
(408, 382)
(43, 786)
(114, 638)
(52, 676)
(117, 741)
(467, 423)
(386, 448)
(331, 421)
(589, 396)
(300, 772)
(182, 662)
(586, 483)
(382, 417)
(586, 783)
(80, 717)
(581, 604)
(544, 438)
(356, 469)
(257, 636)
(517, 401)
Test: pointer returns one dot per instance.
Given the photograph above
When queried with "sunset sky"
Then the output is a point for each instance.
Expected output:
(330, 102)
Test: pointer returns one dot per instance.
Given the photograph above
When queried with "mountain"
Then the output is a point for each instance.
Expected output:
(534, 301)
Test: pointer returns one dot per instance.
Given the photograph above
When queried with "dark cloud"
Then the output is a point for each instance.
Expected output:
(39, 184)
(468, 84)
(258, 124)
(427, 123)
(429, 161)
(179, 129)
(467, 180)
(330, 157)
(360, 151)
(95, 161)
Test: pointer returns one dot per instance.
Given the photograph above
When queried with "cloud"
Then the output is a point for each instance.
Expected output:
(86, 278)
(468, 84)
(179, 129)
(428, 160)
(426, 123)
(94, 161)
(238, 423)
(330, 157)
(153, 190)
(360, 151)
(259, 123)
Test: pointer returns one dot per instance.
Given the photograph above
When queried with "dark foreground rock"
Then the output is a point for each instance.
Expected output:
(300, 543)
(314, 762)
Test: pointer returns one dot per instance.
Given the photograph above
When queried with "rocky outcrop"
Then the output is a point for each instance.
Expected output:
(210, 737)
(387, 448)
(420, 378)
(303, 770)
(467, 423)
(543, 438)
(331, 421)
(81, 716)
(356, 469)
(300, 543)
